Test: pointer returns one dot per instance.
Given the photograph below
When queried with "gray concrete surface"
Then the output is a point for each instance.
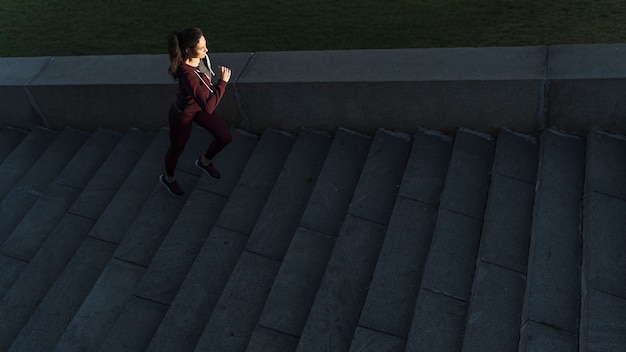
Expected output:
(554, 261)
(288, 305)
(76, 294)
(572, 87)
(80, 292)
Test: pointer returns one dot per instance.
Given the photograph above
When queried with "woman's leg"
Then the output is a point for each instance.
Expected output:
(218, 128)
(180, 130)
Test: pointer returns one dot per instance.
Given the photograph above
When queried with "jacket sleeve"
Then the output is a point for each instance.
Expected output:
(206, 100)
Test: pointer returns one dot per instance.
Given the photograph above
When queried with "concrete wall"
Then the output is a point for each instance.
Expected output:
(575, 88)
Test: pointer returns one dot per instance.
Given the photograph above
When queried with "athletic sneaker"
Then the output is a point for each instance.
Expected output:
(172, 187)
(209, 169)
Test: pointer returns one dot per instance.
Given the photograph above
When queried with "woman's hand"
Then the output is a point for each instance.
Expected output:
(224, 73)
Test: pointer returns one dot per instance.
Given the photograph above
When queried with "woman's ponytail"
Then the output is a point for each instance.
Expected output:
(175, 54)
(179, 42)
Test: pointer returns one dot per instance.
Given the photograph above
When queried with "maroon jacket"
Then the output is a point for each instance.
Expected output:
(196, 92)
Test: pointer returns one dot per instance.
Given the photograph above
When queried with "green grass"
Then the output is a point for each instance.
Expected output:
(73, 27)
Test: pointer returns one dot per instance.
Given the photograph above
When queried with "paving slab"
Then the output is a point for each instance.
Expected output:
(508, 223)
(285, 205)
(427, 166)
(381, 176)
(536, 337)
(97, 195)
(554, 262)
(603, 327)
(495, 310)
(36, 278)
(605, 167)
(604, 263)
(438, 323)
(133, 330)
(451, 261)
(257, 181)
(191, 309)
(56, 310)
(335, 187)
(98, 313)
(396, 282)
(516, 156)
(241, 302)
(335, 312)
(13, 207)
(266, 340)
(10, 269)
(296, 284)
(17, 164)
(9, 139)
(467, 182)
(604, 244)
(368, 340)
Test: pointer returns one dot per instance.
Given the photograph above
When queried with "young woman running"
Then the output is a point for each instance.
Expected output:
(196, 100)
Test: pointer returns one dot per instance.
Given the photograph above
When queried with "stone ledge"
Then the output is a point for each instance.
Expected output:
(572, 87)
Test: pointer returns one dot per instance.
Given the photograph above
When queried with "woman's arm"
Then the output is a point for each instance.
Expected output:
(199, 91)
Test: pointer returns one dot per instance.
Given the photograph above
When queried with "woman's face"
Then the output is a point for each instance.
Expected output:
(199, 52)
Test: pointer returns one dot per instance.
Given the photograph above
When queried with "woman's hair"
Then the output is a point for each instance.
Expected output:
(178, 43)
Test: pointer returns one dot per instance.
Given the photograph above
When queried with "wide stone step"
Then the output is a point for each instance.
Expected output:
(92, 323)
(130, 197)
(552, 296)
(241, 303)
(443, 300)
(46, 168)
(59, 195)
(181, 246)
(97, 195)
(34, 182)
(391, 298)
(603, 306)
(39, 227)
(156, 289)
(293, 291)
(36, 278)
(81, 275)
(337, 305)
(56, 310)
(198, 294)
(494, 314)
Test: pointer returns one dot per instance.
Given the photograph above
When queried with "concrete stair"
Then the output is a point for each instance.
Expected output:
(314, 241)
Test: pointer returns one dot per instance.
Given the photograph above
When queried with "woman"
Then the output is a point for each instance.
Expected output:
(196, 100)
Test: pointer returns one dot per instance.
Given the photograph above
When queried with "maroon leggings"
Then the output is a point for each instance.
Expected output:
(180, 130)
